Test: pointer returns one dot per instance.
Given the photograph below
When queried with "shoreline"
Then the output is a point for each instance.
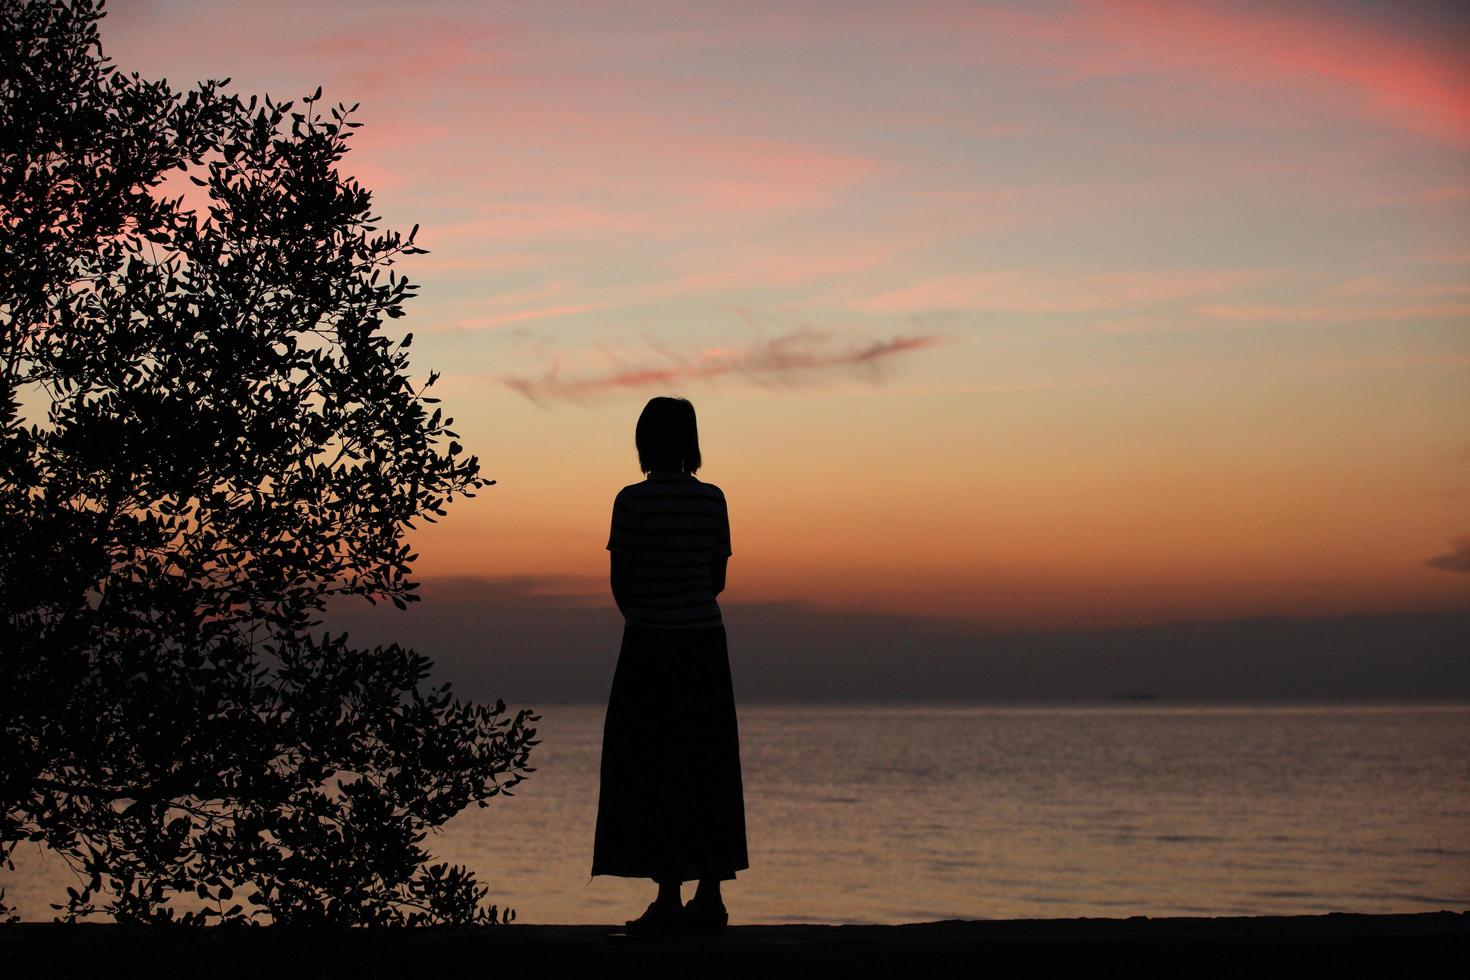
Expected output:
(1426, 944)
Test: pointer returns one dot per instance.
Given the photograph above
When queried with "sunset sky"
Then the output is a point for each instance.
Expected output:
(1018, 314)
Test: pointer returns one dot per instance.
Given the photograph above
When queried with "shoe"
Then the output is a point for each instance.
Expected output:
(657, 920)
(707, 917)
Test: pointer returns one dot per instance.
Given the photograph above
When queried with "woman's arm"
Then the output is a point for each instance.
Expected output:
(622, 579)
(717, 573)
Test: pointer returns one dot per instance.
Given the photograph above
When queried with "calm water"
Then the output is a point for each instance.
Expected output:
(900, 814)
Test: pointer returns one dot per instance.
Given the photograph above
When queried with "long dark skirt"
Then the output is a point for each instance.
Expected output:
(671, 804)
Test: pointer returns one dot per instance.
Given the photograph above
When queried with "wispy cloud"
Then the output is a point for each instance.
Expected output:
(1364, 298)
(1457, 559)
(1430, 196)
(1399, 359)
(1035, 291)
(522, 316)
(1440, 258)
(521, 220)
(1266, 313)
(1353, 61)
(788, 359)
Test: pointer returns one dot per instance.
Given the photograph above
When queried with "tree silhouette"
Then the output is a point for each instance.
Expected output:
(204, 434)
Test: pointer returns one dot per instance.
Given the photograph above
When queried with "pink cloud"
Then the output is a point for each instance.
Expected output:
(533, 294)
(522, 316)
(445, 263)
(476, 110)
(539, 163)
(521, 220)
(675, 167)
(785, 359)
(1441, 195)
(1392, 78)
(373, 63)
(764, 174)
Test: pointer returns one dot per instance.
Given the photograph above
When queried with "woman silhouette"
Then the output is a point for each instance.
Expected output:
(671, 805)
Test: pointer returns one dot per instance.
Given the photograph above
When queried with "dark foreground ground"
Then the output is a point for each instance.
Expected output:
(1408, 946)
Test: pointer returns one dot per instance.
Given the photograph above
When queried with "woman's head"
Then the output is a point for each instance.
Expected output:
(668, 437)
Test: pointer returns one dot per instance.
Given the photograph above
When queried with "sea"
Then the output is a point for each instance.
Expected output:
(911, 813)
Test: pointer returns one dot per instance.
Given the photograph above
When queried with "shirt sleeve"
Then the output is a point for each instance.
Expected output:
(722, 532)
(624, 533)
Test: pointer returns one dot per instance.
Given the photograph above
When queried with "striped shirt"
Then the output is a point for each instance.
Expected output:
(673, 527)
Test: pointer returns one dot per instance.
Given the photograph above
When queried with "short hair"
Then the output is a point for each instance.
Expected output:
(668, 437)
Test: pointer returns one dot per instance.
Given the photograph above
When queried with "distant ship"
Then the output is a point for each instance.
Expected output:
(1133, 696)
